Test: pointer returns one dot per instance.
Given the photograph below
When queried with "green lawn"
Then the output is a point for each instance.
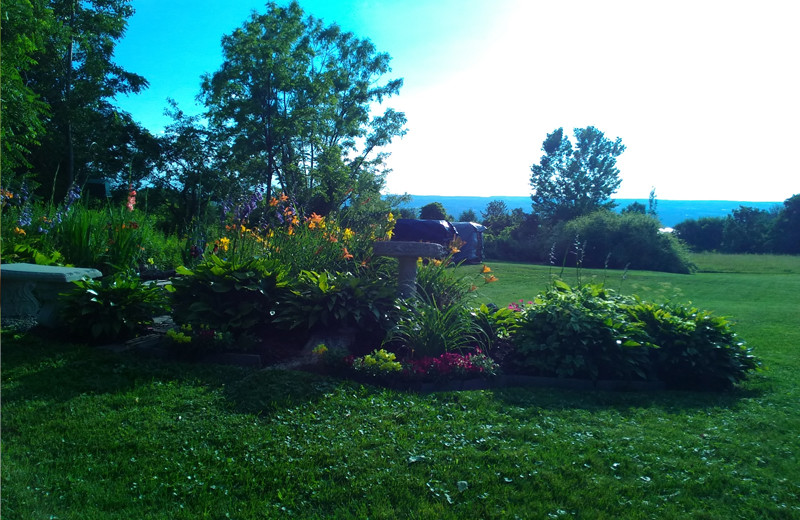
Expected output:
(91, 434)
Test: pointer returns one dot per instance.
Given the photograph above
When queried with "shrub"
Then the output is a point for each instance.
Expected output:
(612, 240)
(591, 332)
(379, 363)
(332, 300)
(438, 282)
(228, 297)
(111, 308)
(695, 349)
(583, 332)
(497, 325)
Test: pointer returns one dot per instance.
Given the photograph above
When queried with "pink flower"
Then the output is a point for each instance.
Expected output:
(131, 197)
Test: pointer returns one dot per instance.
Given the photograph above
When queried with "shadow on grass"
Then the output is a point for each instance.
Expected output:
(667, 400)
(39, 368)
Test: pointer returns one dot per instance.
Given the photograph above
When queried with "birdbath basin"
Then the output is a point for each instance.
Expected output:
(407, 254)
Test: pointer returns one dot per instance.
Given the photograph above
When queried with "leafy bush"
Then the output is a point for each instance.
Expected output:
(379, 363)
(583, 332)
(228, 297)
(703, 234)
(333, 300)
(612, 240)
(591, 332)
(111, 308)
(497, 325)
(695, 349)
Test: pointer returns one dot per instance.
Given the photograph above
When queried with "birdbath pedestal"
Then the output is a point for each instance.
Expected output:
(407, 254)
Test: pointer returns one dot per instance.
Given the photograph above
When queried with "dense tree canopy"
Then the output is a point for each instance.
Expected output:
(67, 55)
(434, 211)
(571, 181)
(292, 103)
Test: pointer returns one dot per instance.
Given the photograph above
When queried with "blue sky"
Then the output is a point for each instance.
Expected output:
(704, 93)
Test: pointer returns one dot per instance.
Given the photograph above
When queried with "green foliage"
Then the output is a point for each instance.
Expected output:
(434, 211)
(695, 349)
(189, 342)
(747, 230)
(427, 329)
(111, 308)
(497, 325)
(24, 25)
(572, 181)
(441, 285)
(702, 234)
(379, 363)
(467, 216)
(74, 74)
(786, 230)
(583, 332)
(334, 300)
(305, 91)
(496, 217)
(615, 241)
(592, 332)
(237, 298)
(78, 239)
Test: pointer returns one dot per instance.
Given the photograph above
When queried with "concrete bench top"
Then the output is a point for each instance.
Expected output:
(408, 249)
(45, 273)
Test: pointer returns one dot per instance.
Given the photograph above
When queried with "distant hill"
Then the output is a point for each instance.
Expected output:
(670, 212)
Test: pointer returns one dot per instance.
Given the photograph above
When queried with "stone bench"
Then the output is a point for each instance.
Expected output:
(407, 254)
(32, 290)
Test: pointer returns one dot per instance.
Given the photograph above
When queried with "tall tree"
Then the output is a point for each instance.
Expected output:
(292, 101)
(188, 172)
(74, 74)
(434, 211)
(787, 227)
(496, 216)
(571, 181)
(22, 121)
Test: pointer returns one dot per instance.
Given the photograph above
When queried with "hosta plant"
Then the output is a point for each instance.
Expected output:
(584, 332)
(330, 300)
(112, 308)
(695, 348)
(237, 298)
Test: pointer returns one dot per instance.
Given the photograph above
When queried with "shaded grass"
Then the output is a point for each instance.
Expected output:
(92, 434)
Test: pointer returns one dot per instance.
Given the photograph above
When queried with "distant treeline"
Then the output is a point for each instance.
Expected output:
(670, 212)
(631, 237)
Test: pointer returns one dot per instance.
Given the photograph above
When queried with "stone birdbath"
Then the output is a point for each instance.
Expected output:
(407, 254)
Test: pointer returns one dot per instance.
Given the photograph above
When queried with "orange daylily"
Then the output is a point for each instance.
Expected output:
(347, 255)
(485, 269)
(491, 278)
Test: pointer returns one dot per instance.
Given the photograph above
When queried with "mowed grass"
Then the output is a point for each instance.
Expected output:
(93, 434)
